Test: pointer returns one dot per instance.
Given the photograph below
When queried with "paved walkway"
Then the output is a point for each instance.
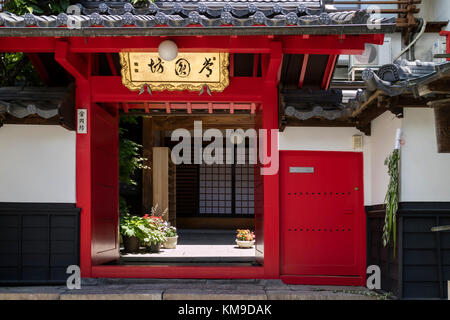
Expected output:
(198, 246)
(176, 289)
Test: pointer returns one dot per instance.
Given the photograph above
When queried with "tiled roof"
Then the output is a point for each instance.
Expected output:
(183, 13)
(403, 77)
(23, 102)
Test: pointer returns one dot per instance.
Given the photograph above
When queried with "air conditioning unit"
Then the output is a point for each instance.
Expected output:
(373, 55)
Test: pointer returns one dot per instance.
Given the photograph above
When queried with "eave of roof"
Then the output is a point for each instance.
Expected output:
(216, 31)
(195, 18)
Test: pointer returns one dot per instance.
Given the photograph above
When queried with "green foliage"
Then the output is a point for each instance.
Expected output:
(46, 7)
(148, 230)
(16, 69)
(392, 198)
(155, 236)
(134, 226)
(130, 158)
(170, 231)
(123, 207)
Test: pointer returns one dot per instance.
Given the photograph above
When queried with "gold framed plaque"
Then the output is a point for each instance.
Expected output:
(188, 71)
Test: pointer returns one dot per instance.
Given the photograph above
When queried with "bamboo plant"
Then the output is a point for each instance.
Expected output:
(392, 198)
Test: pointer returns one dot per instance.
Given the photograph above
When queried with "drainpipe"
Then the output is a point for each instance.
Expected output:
(411, 44)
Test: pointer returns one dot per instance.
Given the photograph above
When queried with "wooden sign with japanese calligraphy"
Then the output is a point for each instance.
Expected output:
(188, 71)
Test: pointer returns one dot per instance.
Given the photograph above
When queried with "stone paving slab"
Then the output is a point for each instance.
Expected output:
(147, 295)
(317, 295)
(187, 289)
(218, 294)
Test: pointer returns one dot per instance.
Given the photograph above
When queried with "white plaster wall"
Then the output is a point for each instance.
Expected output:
(435, 10)
(37, 164)
(425, 173)
(328, 139)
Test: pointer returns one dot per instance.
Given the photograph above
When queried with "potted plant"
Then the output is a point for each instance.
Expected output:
(170, 233)
(133, 230)
(155, 235)
(245, 238)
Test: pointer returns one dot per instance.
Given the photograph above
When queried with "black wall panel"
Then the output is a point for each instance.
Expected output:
(38, 241)
(421, 267)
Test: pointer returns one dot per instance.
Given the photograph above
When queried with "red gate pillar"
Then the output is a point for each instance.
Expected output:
(83, 177)
(79, 67)
(270, 182)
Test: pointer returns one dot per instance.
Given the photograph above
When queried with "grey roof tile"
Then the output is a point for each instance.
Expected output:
(207, 13)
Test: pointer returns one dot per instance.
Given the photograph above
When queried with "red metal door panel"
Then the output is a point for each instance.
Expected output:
(105, 192)
(322, 213)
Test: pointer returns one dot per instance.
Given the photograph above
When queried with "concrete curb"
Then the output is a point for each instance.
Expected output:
(170, 289)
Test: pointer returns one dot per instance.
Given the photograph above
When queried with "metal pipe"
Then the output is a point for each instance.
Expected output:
(422, 31)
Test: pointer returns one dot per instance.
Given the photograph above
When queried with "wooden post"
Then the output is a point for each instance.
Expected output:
(148, 141)
(442, 121)
(164, 188)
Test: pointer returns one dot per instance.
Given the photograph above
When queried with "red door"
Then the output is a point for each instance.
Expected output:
(322, 217)
(105, 191)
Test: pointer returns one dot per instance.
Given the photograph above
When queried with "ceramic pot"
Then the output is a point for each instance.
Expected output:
(171, 242)
(154, 247)
(245, 244)
(131, 244)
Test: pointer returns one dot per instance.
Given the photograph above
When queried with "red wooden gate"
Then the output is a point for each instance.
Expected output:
(105, 191)
(322, 217)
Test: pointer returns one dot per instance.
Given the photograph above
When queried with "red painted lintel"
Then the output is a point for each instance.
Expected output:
(314, 44)
(111, 89)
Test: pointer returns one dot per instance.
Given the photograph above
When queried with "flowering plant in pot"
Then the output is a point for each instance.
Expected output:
(155, 236)
(245, 238)
(133, 230)
(171, 236)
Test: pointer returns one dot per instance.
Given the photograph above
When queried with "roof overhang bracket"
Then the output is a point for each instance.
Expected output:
(73, 63)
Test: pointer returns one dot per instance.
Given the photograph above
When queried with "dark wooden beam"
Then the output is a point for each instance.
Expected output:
(442, 120)
(364, 119)
(317, 122)
(409, 101)
(347, 85)
(39, 66)
(233, 121)
(435, 26)
(440, 86)
(365, 128)
(371, 101)
(32, 119)
(111, 64)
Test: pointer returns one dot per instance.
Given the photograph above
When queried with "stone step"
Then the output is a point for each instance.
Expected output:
(177, 289)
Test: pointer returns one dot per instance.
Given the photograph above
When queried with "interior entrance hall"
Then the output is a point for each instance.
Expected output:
(207, 203)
